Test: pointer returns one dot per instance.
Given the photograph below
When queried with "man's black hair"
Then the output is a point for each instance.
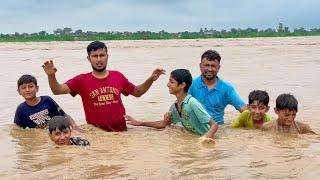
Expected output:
(211, 55)
(95, 45)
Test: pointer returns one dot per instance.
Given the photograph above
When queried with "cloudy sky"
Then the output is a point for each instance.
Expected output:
(155, 15)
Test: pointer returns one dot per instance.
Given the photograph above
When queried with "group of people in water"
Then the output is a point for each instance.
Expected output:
(199, 105)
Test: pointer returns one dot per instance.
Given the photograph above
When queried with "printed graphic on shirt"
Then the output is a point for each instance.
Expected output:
(104, 96)
(41, 118)
(185, 115)
(186, 123)
(189, 127)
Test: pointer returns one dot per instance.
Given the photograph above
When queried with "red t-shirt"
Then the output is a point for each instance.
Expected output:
(101, 98)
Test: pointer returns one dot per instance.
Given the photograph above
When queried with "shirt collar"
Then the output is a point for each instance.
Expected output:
(216, 87)
(185, 100)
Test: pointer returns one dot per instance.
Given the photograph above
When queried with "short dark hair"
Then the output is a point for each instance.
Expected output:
(287, 101)
(95, 45)
(26, 79)
(58, 122)
(260, 96)
(211, 55)
(182, 75)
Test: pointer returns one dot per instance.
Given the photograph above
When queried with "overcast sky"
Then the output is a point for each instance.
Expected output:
(155, 15)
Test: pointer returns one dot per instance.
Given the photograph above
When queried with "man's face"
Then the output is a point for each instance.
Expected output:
(209, 69)
(258, 110)
(285, 116)
(173, 86)
(28, 91)
(98, 59)
(61, 137)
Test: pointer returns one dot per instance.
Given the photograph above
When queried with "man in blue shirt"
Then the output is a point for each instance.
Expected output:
(214, 93)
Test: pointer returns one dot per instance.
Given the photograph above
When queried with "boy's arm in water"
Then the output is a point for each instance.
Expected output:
(143, 88)
(210, 134)
(56, 88)
(243, 108)
(155, 124)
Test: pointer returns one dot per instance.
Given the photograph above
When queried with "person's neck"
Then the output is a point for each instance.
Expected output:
(180, 96)
(100, 75)
(210, 83)
(34, 101)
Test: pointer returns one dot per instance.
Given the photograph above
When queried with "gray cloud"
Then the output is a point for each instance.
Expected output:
(133, 15)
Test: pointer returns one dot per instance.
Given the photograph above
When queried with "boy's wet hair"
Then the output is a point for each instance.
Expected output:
(259, 96)
(26, 79)
(182, 75)
(211, 55)
(287, 101)
(95, 45)
(58, 123)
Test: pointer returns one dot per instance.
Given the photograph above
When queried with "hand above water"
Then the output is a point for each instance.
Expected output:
(206, 140)
(49, 68)
(157, 73)
(130, 120)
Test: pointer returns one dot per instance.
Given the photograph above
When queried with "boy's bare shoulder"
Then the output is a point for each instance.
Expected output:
(304, 128)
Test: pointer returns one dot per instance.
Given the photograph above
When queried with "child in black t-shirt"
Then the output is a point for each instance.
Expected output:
(36, 112)
(60, 132)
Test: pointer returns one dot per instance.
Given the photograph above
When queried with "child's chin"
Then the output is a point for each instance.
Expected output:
(256, 119)
(62, 143)
(287, 123)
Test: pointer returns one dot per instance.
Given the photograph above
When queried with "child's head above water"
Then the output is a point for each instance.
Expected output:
(181, 77)
(26, 79)
(59, 130)
(286, 108)
(27, 86)
(258, 104)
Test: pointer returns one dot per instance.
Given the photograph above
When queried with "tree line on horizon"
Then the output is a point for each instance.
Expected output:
(67, 34)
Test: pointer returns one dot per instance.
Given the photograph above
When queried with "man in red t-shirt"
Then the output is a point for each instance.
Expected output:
(100, 89)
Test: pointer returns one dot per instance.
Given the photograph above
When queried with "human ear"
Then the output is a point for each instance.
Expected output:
(183, 84)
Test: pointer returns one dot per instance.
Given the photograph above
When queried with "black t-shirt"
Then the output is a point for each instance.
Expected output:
(38, 115)
(79, 141)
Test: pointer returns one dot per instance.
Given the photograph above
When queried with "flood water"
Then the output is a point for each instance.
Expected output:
(277, 65)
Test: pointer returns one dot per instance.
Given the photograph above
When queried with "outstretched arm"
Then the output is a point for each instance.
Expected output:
(155, 124)
(143, 88)
(243, 108)
(56, 88)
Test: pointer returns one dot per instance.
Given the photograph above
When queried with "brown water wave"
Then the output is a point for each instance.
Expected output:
(172, 153)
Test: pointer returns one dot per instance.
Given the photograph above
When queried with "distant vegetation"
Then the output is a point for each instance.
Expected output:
(67, 34)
